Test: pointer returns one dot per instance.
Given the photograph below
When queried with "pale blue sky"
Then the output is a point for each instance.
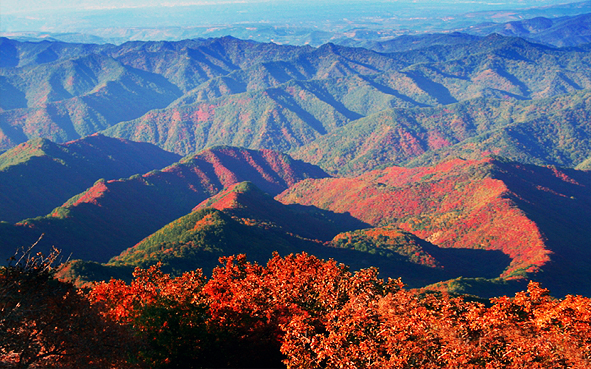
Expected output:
(24, 6)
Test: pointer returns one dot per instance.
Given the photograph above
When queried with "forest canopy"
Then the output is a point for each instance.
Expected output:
(297, 311)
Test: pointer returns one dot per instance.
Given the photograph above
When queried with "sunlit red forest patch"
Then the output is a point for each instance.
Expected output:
(456, 204)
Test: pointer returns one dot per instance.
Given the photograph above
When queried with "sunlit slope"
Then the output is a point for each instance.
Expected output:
(552, 131)
(286, 104)
(243, 219)
(538, 216)
(174, 94)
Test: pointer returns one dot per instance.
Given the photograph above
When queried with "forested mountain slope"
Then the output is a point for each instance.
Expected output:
(284, 105)
(441, 109)
(551, 131)
(243, 219)
(189, 95)
(538, 216)
(112, 215)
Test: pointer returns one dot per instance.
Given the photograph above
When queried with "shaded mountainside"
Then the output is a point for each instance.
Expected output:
(174, 94)
(553, 131)
(538, 216)
(243, 219)
(113, 215)
(39, 175)
(246, 202)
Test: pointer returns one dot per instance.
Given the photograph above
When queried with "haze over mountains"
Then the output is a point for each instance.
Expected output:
(450, 158)
(349, 22)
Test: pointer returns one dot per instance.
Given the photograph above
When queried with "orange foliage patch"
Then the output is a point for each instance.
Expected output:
(319, 315)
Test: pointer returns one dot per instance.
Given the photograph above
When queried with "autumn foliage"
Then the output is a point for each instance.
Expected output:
(303, 312)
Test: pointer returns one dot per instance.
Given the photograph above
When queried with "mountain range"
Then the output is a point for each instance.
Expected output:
(114, 214)
(189, 95)
(489, 204)
(561, 31)
(484, 226)
(459, 163)
(39, 175)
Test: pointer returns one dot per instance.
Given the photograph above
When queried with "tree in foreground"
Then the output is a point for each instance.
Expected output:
(45, 322)
(406, 330)
(167, 314)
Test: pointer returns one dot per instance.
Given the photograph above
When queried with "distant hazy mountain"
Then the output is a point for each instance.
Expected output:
(412, 42)
(560, 32)
(293, 22)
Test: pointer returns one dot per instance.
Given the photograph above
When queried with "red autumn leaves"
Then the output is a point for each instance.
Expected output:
(297, 311)
(310, 313)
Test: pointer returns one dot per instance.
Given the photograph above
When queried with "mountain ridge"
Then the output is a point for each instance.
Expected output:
(349, 83)
(486, 204)
(112, 215)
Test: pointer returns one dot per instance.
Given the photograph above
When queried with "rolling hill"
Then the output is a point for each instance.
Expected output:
(243, 219)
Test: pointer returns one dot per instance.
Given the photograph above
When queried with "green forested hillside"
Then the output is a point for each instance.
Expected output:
(552, 131)
(195, 93)
(287, 104)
